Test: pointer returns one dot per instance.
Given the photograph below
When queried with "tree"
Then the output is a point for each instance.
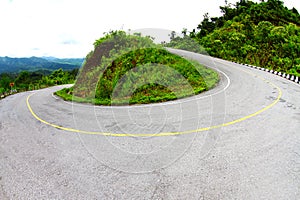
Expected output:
(172, 35)
(5, 79)
(266, 34)
(184, 32)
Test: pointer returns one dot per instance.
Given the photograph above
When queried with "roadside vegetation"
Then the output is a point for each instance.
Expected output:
(24, 81)
(131, 69)
(265, 34)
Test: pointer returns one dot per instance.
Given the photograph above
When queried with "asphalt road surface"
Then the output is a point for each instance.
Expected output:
(241, 140)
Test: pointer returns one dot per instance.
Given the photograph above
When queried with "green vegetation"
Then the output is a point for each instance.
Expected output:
(185, 43)
(25, 80)
(265, 34)
(132, 69)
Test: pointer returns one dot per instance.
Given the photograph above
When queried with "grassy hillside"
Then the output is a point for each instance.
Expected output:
(132, 69)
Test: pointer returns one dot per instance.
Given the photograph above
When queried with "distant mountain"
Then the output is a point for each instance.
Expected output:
(12, 65)
(71, 61)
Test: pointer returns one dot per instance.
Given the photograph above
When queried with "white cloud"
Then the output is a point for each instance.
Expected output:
(68, 28)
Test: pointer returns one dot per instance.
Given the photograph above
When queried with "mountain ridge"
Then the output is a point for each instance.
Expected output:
(15, 65)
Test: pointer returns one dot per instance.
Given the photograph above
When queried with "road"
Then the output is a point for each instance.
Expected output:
(241, 140)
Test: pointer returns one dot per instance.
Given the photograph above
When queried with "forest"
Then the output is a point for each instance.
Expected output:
(18, 82)
(23, 74)
(264, 34)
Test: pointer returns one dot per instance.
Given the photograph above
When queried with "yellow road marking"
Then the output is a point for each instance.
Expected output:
(163, 133)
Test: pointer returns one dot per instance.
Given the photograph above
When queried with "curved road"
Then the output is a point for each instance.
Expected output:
(240, 140)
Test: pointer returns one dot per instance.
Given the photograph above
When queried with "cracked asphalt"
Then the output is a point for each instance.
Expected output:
(254, 158)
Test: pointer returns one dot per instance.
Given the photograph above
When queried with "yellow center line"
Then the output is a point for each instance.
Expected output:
(164, 133)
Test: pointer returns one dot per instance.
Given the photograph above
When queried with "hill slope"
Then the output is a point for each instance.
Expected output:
(9, 65)
(130, 69)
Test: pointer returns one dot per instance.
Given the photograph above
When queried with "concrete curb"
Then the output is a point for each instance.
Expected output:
(289, 77)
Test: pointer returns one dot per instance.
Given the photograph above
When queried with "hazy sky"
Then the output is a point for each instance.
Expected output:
(68, 28)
